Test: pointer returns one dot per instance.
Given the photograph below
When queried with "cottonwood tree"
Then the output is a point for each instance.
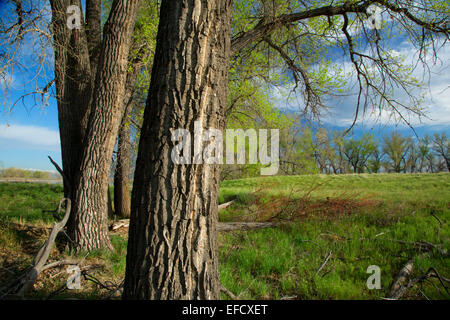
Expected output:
(95, 68)
(413, 156)
(375, 161)
(297, 151)
(358, 151)
(249, 106)
(395, 148)
(172, 237)
(175, 256)
(424, 153)
(90, 76)
(323, 150)
(97, 58)
(339, 141)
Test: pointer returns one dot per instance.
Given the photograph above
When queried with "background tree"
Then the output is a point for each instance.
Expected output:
(88, 122)
(323, 150)
(138, 79)
(413, 156)
(358, 151)
(441, 145)
(424, 153)
(297, 151)
(395, 148)
(90, 77)
(375, 160)
(339, 141)
(249, 106)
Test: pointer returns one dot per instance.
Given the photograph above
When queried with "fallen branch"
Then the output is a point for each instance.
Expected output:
(397, 287)
(289, 298)
(402, 290)
(107, 285)
(221, 226)
(124, 223)
(233, 226)
(66, 182)
(23, 283)
(324, 262)
(228, 292)
(231, 294)
(334, 236)
(60, 263)
(225, 205)
(422, 245)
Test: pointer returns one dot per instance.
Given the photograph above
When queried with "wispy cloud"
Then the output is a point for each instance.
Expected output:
(436, 103)
(29, 136)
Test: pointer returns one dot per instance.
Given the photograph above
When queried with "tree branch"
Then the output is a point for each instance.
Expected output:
(264, 28)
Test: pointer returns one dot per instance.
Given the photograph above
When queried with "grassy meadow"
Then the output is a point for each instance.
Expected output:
(353, 220)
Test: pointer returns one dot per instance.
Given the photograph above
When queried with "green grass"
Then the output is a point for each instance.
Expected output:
(418, 186)
(26, 202)
(359, 224)
(283, 261)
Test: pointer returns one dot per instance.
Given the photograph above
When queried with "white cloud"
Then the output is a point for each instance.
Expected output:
(30, 136)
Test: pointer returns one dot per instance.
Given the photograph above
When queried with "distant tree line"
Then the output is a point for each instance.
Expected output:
(23, 173)
(330, 152)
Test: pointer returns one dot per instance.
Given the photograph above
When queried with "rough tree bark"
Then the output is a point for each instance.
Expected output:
(172, 247)
(73, 87)
(90, 78)
(94, 30)
(104, 120)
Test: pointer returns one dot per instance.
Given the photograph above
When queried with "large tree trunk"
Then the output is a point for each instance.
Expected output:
(90, 111)
(172, 246)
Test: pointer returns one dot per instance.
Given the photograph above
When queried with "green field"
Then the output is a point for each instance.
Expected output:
(362, 220)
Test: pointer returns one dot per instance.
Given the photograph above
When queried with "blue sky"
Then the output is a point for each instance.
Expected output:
(29, 132)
